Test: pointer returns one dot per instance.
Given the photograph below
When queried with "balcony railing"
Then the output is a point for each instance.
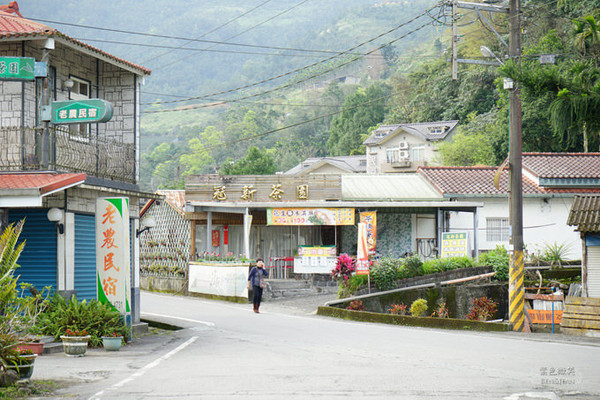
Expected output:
(21, 150)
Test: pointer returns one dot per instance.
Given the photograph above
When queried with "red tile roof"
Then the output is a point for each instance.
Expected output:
(44, 182)
(472, 181)
(13, 26)
(563, 165)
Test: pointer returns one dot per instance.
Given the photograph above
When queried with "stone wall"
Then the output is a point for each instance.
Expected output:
(163, 284)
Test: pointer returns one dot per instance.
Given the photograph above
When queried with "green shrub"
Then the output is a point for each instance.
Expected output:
(350, 287)
(418, 308)
(94, 317)
(555, 254)
(446, 264)
(413, 265)
(384, 273)
(499, 260)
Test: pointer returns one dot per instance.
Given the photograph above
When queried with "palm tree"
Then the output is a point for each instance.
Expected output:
(587, 35)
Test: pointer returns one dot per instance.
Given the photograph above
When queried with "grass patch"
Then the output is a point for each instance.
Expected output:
(29, 388)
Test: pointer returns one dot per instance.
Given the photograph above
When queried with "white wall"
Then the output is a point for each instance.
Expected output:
(544, 223)
(377, 156)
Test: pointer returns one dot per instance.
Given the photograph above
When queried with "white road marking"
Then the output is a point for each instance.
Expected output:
(533, 395)
(146, 368)
(181, 318)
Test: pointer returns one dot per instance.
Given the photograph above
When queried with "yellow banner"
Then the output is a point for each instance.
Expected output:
(310, 216)
(369, 218)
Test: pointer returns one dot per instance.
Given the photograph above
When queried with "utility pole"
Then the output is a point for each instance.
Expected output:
(454, 41)
(516, 292)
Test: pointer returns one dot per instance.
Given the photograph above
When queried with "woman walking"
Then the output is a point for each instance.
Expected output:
(256, 278)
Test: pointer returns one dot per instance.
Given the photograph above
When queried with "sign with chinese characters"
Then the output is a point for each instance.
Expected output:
(216, 238)
(369, 218)
(310, 216)
(315, 260)
(81, 111)
(112, 252)
(17, 68)
(455, 244)
(362, 251)
(545, 316)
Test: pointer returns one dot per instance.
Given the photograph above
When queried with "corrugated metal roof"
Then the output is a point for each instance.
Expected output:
(387, 187)
(585, 213)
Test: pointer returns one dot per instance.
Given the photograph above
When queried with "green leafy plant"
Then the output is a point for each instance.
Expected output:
(555, 254)
(418, 308)
(482, 309)
(441, 311)
(356, 305)
(499, 260)
(95, 318)
(351, 286)
(446, 264)
(397, 309)
(414, 265)
(384, 273)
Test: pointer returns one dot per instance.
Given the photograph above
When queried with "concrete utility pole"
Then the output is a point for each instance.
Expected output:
(516, 292)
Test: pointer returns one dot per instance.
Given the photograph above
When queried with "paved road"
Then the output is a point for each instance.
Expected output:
(227, 352)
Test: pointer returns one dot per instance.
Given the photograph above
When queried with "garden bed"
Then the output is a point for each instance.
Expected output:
(426, 322)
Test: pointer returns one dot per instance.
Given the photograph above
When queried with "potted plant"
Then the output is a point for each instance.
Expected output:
(23, 363)
(75, 342)
(33, 344)
(112, 342)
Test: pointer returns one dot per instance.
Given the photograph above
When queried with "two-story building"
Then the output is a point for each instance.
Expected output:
(406, 147)
(65, 167)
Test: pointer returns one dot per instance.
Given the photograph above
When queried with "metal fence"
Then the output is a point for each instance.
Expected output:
(21, 149)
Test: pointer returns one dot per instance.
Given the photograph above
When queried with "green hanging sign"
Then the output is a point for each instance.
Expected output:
(81, 111)
(17, 68)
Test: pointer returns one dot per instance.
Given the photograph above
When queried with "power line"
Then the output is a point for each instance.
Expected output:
(211, 31)
(158, 46)
(314, 64)
(283, 86)
(240, 33)
(187, 38)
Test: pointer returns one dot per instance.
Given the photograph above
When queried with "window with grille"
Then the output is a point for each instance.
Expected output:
(497, 229)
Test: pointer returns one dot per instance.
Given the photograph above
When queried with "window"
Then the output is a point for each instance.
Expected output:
(81, 90)
(392, 154)
(498, 230)
(418, 153)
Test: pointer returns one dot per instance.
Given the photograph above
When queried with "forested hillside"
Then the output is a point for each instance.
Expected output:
(312, 78)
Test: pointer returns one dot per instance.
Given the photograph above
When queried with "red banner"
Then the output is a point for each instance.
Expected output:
(226, 235)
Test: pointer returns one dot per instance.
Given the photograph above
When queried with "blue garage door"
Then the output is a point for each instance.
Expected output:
(38, 260)
(85, 256)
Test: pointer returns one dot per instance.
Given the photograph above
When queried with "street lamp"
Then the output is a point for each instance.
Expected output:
(55, 215)
(147, 223)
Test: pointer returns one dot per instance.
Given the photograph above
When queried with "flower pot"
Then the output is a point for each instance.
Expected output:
(25, 366)
(36, 347)
(112, 343)
(75, 346)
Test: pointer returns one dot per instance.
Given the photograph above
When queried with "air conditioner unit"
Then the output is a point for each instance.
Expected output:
(403, 145)
(403, 154)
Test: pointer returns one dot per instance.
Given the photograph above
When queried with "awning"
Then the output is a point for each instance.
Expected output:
(28, 189)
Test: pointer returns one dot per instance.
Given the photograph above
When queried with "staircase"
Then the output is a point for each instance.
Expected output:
(285, 288)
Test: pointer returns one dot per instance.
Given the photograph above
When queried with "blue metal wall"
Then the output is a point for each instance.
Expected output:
(38, 260)
(85, 256)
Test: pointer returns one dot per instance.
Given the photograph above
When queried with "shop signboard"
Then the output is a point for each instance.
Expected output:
(315, 260)
(80, 111)
(310, 216)
(17, 68)
(112, 253)
(455, 244)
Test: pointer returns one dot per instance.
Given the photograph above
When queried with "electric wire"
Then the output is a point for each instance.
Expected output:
(312, 65)
(239, 33)
(209, 32)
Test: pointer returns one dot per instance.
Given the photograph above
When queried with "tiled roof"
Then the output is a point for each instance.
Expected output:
(12, 26)
(347, 163)
(427, 130)
(585, 213)
(44, 182)
(175, 197)
(475, 181)
(563, 165)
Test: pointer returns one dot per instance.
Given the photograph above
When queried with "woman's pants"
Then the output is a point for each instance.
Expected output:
(258, 291)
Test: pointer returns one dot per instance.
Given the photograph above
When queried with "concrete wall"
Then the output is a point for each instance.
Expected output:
(544, 222)
(163, 284)
(377, 157)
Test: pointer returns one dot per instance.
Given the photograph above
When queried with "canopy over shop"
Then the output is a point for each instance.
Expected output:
(277, 217)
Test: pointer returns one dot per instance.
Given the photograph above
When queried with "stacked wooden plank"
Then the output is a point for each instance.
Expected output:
(581, 316)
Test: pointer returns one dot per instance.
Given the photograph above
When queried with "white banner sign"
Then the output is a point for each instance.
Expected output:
(112, 252)
(220, 280)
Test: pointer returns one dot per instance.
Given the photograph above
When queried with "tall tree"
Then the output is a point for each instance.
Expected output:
(255, 162)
